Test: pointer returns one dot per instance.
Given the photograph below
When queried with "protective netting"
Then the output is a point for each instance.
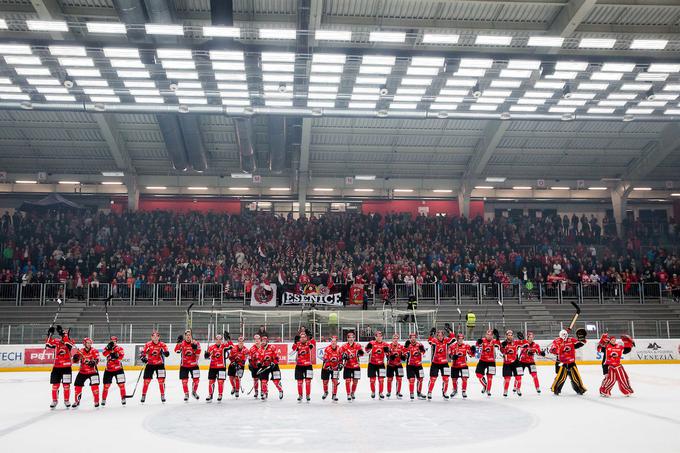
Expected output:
(283, 325)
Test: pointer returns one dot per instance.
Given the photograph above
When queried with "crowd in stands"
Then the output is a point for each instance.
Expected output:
(239, 250)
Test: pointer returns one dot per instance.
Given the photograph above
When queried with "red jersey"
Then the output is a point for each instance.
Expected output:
(304, 352)
(268, 355)
(254, 356)
(396, 355)
(238, 355)
(459, 354)
(528, 352)
(565, 350)
(414, 353)
(217, 353)
(88, 360)
(154, 352)
(376, 352)
(488, 349)
(332, 357)
(62, 351)
(613, 354)
(439, 349)
(111, 363)
(190, 352)
(351, 353)
(510, 351)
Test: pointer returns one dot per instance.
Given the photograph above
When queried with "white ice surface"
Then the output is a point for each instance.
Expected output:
(648, 421)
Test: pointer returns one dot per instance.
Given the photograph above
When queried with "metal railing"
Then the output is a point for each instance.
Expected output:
(555, 292)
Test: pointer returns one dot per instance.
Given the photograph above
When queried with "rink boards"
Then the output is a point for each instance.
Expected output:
(35, 358)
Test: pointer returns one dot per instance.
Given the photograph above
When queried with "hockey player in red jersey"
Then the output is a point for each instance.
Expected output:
(269, 368)
(511, 367)
(377, 349)
(565, 349)
(414, 364)
(254, 362)
(304, 348)
(153, 356)
(330, 370)
(88, 357)
(613, 353)
(459, 353)
(61, 369)
(237, 358)
(527, 357)
(189, 351)
(351, 352)
(114, 355)
(396, 354)
(487, 360)
(217, 354)
(440, 359)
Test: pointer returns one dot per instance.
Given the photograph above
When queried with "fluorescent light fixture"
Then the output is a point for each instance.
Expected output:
(597, 43)
(161, 29)
(545, 41)
(531, 101)
(416, 81)
(105, 99)
(234, 94)
(664, 67)
(315, 78)
(546, 85)
(232, 55)
(113, 174)
(576, 102)
(133, 74)
(484, 107)
(279, 189)
(420, 71)
(484, 187)
(406, 98)
(485, 63)
(236, 102)
(15, 97)
(418, 91)
(81, 72)
(156, 187)
(672, 195)
(523, 108)
(639, 111)
(442, 190)
(403, 190)
(237, 76)
(91, 83)
(652, 103)
(649, 44)
(149, 100)
(174, 53)
(361, 105)
(67, 51)
(274, 103)
(493, 40)
(112, 183)
(363, 190)
(362, 80)
(428, 61)
(365, 97)
(69, 182)
(221, 32)
(333, 35)
(524, 64)
(628, 96)
(516, 73)
(592, 86)
(323, 189)
(505, 83)
(42, 90)
(76, 61)
(363, 69)
(240, 189)
(495, 179)
(497, 93)
(642, 189)
(321, 95)
(3, 24)
(5, 81)
(278, 67)
(190, 75)
(277, 77)
(126, 63)
(139, 84)
(277, 33)
(178, 64)
(322, 104)
(46, 25)
(232, 86)
(539, 94)
(106, 27)
(597, 188)
(197, 188)
(600, 110)
(618, 67)
(571, 65)
(102, 91)
(436, 38)
(651, 77)
(612, 103)
(610, 76)
(461, 82)
(42, 81)
(15, 49)
(144, 92)
(193, 101)
(25, 181)
(583, 95)
(121, 52)
(560, 188)
(470, 72)
(403, 106)
(386, 36)
(488, 100)
(562, 75)
(556, 109)
(636, 86)
(283, 57)
(329, 58)
(32, 71)
(521, 187)
(365, 177)
(22, 59)
(438, 106)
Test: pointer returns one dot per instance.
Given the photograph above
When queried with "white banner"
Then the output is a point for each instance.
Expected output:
(316, 299)
(263, 295)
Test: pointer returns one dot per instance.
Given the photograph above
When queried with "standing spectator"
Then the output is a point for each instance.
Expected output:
(470, 323)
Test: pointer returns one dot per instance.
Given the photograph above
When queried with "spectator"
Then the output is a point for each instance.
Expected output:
(470, 323)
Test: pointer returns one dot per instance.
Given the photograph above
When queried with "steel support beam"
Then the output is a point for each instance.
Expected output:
(655, 153)
(485, 148)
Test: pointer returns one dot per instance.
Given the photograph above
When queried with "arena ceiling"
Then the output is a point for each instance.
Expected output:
(455, 92)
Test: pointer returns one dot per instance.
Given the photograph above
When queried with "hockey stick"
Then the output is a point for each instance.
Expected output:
(106, 310)
(54, 321)
(576, 315)
(141, 372)
(189, 320)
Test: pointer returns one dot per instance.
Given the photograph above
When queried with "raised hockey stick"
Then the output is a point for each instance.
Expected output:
(106, 310)
(54, 321)
(576, 315)
(189, 320)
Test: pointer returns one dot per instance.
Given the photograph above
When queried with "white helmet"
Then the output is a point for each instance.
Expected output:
(564, 334)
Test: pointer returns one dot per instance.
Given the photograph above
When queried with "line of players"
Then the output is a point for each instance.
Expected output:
(449, 359)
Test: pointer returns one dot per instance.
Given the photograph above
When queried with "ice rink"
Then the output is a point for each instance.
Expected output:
(647, 421)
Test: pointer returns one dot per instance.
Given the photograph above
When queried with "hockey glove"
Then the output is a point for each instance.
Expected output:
(496, 335)
(60, 331)
(194, 346)
(110, 346)
(166, 353)
(114, 356)
(180, 338)
(386, 349)
(520, 335)
(206, 355)
(143, 359)
(448, 327)
(226, 335)
(360, 353)
(76, 358)
(581, 334)
(50, 331)
(433, 331)
(407, 344)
